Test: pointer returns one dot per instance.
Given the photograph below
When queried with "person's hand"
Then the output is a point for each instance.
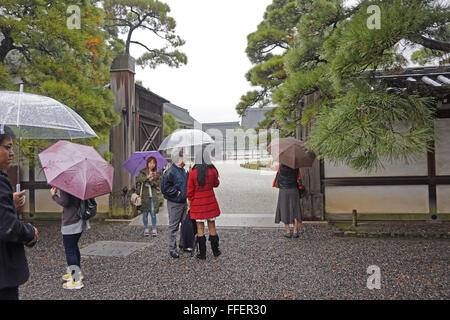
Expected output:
(36, 237)
(53, 191)
(179, 192)
(19, 199)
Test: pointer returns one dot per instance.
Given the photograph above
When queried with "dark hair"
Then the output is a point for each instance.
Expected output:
(202, 163)
(6, 132)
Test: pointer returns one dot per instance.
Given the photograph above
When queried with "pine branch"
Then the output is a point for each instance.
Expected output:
(433, 44)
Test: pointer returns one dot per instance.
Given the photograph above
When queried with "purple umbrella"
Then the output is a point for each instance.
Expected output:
(138, 161)
(77, 169)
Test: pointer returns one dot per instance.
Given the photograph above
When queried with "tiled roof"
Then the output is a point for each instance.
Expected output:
(221, 126)
(182, 115)
(253, 116)
(432, 79)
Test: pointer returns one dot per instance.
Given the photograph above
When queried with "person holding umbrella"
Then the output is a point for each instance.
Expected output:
(80, 173)
(72, 227)
(174, 189)
(292, 154)
(13, 233)
(288, 205)
(202, 201)
(145, 165)
(149, 180)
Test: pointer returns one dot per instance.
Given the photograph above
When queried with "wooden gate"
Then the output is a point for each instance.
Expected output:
(149, 119)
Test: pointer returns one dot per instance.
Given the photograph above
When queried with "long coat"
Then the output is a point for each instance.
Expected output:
(203, 199)
(156, 193)
(13, 235)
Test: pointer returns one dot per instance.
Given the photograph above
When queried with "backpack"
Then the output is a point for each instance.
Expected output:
(87, 209)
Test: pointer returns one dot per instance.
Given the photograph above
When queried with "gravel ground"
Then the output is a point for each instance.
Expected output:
(256, 264)
(244, 190)
(410, 229)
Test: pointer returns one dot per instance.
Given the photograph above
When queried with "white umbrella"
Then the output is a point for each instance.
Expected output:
(32, 116)
(185, 138)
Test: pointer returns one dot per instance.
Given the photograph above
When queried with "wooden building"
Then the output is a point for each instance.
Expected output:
(140, 129)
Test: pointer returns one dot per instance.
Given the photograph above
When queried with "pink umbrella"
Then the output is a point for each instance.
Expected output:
(77, 169)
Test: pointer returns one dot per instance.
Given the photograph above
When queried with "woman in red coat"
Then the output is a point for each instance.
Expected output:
(202, 202)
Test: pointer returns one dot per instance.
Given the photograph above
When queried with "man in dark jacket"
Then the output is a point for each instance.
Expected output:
(174, 189)
(13, 233)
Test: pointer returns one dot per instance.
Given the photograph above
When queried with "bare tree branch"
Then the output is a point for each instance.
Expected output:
(136, 42)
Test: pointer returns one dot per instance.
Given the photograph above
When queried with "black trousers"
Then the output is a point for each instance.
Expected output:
(73, 256)
(9, 293)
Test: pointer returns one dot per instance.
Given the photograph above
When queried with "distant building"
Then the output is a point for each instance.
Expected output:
(218, 131)
(184, 119)
(253, 116)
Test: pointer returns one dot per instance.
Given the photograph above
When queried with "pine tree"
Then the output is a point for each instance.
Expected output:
(266, 49)
(150, 15)
(69, 65)
(335, 54)
(170, 124)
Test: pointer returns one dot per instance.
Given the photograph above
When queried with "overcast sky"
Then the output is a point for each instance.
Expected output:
(211, 84)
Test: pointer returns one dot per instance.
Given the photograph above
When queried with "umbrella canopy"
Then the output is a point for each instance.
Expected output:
(40, 117)
(32, 116)
(185, 138)
(138, 160)
(291, 152)
(77, 169)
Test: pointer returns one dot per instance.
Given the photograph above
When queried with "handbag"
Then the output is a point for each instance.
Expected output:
(301, 188)
(136, 199)
(188, 233)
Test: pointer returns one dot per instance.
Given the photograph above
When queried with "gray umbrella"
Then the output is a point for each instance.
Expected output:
(32, 116)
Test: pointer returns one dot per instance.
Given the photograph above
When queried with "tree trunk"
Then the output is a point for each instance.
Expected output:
(6, 45)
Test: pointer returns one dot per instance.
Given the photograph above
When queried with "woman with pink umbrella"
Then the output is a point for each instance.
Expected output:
(79, 173)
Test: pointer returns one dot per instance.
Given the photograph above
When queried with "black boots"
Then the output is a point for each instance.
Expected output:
(202, 247)
(215, 245)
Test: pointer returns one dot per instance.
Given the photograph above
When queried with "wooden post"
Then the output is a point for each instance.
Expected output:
(354, 218)
(123, 135)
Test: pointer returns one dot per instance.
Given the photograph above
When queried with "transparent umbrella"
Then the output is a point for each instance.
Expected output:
(33, 116)
(185, 138)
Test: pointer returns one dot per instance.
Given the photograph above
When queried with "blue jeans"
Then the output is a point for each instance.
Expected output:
(73, 256)
(152, 215)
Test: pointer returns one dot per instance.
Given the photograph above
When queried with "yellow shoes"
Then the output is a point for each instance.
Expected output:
(73, 285)
(68, 276)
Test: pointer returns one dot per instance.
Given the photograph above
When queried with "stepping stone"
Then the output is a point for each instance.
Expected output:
(113, 248)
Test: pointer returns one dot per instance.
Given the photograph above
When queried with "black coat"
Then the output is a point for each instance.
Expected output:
(13, 235)
(287, 177)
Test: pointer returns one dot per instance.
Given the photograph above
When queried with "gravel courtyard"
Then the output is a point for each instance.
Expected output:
(244, 190)
(256, 264)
